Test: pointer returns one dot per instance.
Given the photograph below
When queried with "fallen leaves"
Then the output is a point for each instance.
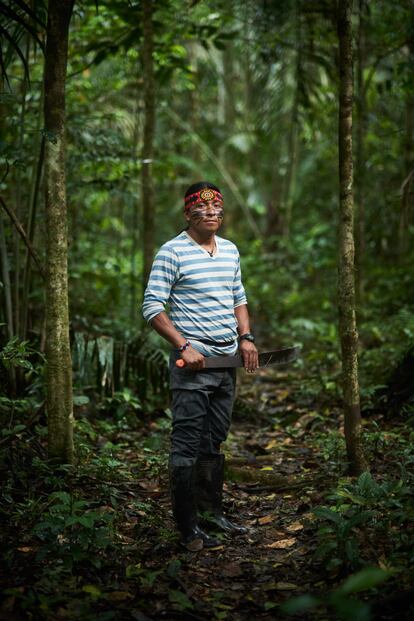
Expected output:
(266, 519)
(231, 570)
(294, 527)
(285, 586)
(282, 543)
(149, 485)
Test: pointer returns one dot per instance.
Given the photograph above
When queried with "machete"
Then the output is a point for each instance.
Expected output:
(279, 357)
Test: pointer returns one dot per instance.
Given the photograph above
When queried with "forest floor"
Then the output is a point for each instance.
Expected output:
(104, 546)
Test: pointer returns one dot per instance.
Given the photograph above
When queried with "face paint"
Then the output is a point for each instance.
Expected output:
(201, 211)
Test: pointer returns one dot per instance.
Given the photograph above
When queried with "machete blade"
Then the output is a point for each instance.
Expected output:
(279, 357)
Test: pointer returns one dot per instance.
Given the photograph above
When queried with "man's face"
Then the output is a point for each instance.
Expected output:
(206, 216)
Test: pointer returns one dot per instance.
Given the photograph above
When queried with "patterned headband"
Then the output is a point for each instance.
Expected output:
(207, 194)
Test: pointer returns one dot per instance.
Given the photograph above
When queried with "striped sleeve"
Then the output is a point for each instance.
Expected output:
(164, 273)
(239, 293)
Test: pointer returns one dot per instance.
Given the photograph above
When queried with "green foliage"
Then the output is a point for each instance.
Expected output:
(73, 531)
(180, 600)
(133, 372)
(340, 601)
(361, 511)
(389, 339)
(246, 95)
(123, 408)
(16, 353)
(339, 545)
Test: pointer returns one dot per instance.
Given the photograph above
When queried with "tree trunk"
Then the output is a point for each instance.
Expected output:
(135, 215)
(148, 144)
(408, 184)
(5, 274)
(292, 146)
(346, 280)
(34, 194)
(59, 368)
(18, 202)
(7, 292)
(275, 223)
(361, 128)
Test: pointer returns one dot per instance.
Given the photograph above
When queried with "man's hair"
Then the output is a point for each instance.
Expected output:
(200, 185)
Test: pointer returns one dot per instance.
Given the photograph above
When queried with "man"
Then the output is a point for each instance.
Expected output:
(198, 274)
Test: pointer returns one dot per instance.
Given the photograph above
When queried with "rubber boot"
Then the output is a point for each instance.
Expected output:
(182, 481)
(209, 491)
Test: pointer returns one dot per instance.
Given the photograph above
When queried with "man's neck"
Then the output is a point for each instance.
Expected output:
(203, 240)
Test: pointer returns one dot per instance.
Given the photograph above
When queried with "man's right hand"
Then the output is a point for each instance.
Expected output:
(193, 359)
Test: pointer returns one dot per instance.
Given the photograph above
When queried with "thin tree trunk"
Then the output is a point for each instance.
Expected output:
(289, 183)
(148, 144)
(4, 263)
(34, 193)
(274, 217)
(8, 305)
(18, 205)
(135, 217)
(346, 279)
(193, 99)
(18, 227)
(5, 274)
(408, 185)
(361, 128)
(59, 367)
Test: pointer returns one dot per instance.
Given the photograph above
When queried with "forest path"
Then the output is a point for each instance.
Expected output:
(98, 542)
(275, 476)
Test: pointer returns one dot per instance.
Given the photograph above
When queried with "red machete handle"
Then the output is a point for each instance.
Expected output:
(180, 363)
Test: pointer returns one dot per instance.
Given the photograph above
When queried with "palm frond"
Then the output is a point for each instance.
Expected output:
(26, 9)
(19, 52)
(106, 365)
(16, 18)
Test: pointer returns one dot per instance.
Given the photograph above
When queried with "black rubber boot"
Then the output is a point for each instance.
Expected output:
(182, 481)
(209, 492)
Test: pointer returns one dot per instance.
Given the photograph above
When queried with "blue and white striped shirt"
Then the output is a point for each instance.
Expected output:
(202, 291)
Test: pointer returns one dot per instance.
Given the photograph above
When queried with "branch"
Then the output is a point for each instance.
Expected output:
(377, 62)
(224, 172)
(24, 237)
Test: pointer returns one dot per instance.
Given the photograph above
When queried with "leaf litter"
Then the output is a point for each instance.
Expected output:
(146, 576)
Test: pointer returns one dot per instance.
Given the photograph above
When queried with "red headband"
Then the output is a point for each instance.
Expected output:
(207, 194)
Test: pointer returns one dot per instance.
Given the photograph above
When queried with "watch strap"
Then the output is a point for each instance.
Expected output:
(247, 337)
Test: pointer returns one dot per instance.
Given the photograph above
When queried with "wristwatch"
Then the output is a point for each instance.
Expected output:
(247, 337)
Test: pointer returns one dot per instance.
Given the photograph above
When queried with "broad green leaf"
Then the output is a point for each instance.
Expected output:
(365, 579)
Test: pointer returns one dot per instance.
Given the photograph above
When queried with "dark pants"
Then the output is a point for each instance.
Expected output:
(202, 403)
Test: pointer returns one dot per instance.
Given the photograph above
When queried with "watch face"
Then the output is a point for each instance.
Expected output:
(248, 337)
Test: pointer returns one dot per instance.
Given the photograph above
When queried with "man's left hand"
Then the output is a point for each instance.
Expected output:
(250, 355)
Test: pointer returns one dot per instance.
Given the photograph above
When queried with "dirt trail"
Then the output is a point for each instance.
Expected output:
(275, 477)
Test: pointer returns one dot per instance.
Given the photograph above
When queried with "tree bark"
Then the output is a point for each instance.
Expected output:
(346, 277)
(135, 214)
(18, 201)
(292, 146)
(361, 129)
(31, 220)
(148, 144)
(408, 184)
(59, 367)
(8, 304)
(5, 274)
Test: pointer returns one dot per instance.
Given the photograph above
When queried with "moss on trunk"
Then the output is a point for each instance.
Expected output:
(59, 367)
